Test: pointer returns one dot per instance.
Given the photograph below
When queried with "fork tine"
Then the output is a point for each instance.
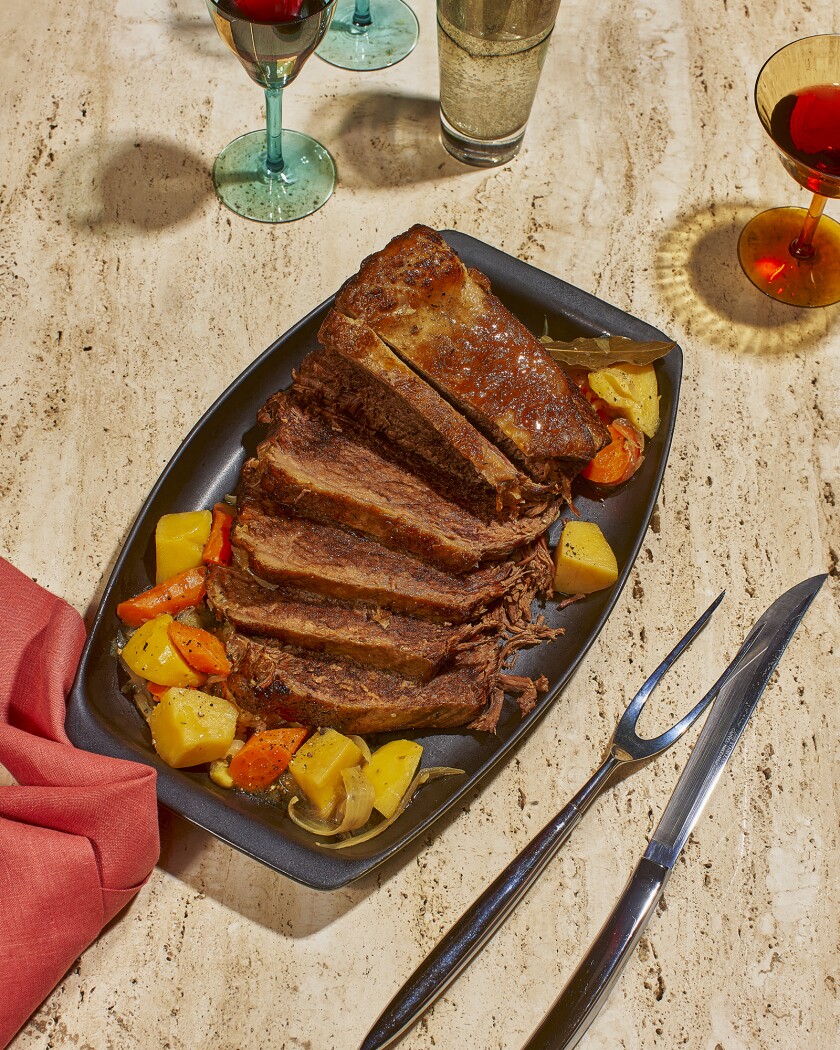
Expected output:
(673, 734)
(631, 715)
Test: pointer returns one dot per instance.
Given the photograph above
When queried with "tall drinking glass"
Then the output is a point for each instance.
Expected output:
(273, 175)
(491, 56)
(793, 254)
(369, 34)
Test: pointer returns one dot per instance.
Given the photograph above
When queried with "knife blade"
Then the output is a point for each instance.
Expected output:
(593, 980)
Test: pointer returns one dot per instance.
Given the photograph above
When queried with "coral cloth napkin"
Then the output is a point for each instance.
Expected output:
(79, 832)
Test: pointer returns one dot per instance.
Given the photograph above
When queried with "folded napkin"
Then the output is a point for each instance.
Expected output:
(78, 832)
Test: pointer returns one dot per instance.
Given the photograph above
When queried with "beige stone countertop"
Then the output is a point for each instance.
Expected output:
(130, 299)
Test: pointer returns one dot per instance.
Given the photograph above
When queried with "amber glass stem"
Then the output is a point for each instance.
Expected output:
(802, 247)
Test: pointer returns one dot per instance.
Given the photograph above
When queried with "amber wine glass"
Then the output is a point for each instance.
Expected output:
(273, 175)
(793, 254)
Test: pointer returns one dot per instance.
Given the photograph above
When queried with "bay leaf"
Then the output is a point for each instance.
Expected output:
(593, 352)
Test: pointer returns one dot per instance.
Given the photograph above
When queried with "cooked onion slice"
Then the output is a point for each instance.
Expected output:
(139, 689)
(423, 776)
(362, 745)
(357, 806)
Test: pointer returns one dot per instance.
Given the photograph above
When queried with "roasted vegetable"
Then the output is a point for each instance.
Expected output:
(264, 757)
(202, 650)
(620, 460)
(390, 771)
(180, 541)
(189, 727)
(150, 654)
(219, 773)
(353, 810)
(584, 561)
(421, 778)
(220, 767)
(217, 550)
(180, 592)
(317, 767)
(631, 391)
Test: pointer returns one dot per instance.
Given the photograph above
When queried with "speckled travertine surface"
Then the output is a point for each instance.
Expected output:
(129, 299)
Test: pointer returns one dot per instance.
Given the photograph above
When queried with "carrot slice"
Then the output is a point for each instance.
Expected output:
(157, 691)
(599, 406)
(620, 459)
(217, 550)
(266, 755)
(179, 592)
(202, 650)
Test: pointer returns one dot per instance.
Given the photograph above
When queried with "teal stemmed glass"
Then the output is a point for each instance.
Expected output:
(364, 36)
(273, 175)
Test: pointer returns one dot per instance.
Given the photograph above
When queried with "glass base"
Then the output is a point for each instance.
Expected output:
(764, 253)
(243, 184)
(480, 153)
(391, 36)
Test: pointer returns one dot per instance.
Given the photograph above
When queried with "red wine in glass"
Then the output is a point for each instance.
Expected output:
(793, 254)
(806, 125)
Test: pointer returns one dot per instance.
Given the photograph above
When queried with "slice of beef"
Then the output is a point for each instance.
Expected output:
(275, 683)
(310, 466)
(442, 319)
(416, 648)
(340, 563)
(359, 378)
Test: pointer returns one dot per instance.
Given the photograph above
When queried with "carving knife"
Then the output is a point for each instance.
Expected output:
(591, 983)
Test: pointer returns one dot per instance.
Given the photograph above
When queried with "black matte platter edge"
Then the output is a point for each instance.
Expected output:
(206, 466)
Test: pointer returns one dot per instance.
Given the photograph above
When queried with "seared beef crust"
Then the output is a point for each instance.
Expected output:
(442, 319)
(359, 379)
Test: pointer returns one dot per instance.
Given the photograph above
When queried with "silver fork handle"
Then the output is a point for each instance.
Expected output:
(591, 983)
(482, 919)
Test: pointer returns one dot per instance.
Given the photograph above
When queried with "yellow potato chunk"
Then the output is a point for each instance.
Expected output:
(583, 561)
(190, 727)
(150, 654)
(633, 390)
(317, 765)
(179, 542)
(220, 773)
(390, 771)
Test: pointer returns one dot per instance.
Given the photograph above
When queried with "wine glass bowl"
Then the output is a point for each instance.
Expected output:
(793, 254)
(794, 73)
(273, 175)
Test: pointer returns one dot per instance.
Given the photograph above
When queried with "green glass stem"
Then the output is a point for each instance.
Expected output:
(274, 131)
(361, 14)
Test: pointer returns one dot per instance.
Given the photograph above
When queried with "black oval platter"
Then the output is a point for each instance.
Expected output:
(206, 467)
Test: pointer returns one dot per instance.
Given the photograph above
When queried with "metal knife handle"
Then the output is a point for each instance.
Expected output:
(592, 981)
(482, 919)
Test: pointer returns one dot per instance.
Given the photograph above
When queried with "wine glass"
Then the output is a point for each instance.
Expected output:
(273, 175)
(793, 254)
(363, 39)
